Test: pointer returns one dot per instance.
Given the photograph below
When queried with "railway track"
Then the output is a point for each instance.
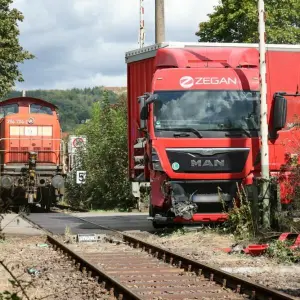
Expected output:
(69, 208)
(134, 269)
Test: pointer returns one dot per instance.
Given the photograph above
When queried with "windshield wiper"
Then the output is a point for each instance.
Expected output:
(239, 132)
(186, 129)
(182, 134)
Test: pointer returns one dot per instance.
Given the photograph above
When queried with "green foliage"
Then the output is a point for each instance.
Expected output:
(11, 52)
(105, 160)
(240, 218)
(291, 183)
(280, 251)
(172, 232)
(237, 21)
(9, 296)
(75, 105)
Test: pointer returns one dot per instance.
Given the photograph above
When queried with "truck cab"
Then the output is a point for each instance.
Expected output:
(195, 114)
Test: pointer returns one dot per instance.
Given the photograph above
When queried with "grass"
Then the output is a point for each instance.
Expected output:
(281, 252)
(240, 218)
(68, 232)
(172, 232)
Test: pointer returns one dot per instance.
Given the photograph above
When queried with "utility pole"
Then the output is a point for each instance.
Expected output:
(265, 173)
(142, 24)
(159, 21)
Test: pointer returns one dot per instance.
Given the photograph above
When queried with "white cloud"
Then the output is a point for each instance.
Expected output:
(81, 43)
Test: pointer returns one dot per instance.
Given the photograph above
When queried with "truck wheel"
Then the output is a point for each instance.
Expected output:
(151, 211)
(157, 226)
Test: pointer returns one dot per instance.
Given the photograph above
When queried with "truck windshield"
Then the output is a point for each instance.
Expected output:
(207, 110)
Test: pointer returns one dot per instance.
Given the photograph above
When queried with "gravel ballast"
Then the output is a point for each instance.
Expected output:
(206, 247)
(43, 272)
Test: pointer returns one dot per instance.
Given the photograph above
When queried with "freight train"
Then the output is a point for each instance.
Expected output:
(194, 125)
(32, 153)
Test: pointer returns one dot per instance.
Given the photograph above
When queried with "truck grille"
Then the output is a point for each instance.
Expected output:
(208, 160)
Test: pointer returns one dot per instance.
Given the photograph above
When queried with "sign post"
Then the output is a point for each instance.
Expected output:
(80, 177)
(75, 144)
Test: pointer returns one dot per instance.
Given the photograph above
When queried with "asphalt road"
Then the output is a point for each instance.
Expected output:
(119, 221)
(58, 223)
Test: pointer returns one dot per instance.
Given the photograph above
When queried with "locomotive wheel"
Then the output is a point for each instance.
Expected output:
(48, 197)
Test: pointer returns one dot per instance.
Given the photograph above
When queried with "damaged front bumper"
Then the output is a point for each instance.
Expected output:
(196, 218)
(198, 201)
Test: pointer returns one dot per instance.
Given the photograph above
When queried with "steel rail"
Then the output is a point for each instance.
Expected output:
(35, 225)
(225, 279)
(238, 284)
(67, 207)
(116, 288)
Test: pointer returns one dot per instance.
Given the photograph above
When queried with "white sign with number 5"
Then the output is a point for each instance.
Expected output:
(80, 177)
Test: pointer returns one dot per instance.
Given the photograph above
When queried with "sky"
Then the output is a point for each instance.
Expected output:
(82, 43)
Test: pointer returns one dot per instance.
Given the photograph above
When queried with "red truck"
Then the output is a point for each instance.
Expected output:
(194, 125)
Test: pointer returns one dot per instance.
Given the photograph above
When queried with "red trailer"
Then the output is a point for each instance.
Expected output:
(194, 124)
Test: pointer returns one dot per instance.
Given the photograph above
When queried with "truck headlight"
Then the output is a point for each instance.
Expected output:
(156, 165)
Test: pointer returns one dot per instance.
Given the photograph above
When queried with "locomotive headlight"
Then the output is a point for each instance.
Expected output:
(156, 165)
(58, 181)
(6, 182)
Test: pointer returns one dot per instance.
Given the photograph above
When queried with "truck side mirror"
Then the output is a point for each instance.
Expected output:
(143, 112)
(280, 112)
(151, 98)
(144, 102)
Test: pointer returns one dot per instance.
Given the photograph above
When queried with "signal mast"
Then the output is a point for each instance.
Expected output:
(265, 173)
(142, 25)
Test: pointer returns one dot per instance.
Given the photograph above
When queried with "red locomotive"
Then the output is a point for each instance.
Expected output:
(32, 153)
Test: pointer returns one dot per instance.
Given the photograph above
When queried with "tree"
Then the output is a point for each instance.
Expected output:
(105, 159)
(74, 105)
(237, 21)
(11, 52)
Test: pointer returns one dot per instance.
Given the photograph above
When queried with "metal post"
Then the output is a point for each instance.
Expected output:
(142, 24)
(265, 173)
(159, 21)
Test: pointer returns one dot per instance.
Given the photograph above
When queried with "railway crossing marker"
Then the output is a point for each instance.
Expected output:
(80, 177)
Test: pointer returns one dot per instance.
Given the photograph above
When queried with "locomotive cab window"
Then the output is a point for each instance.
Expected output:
(9, 109)
(40, 109)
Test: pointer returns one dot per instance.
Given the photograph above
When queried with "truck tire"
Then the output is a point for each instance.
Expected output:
(157, 226)
(152, 214)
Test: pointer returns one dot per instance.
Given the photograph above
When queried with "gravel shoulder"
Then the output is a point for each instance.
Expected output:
(44, 273)
(206, 247)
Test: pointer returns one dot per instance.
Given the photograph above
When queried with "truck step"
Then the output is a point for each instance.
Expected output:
(140, 143)
(139, 158)
(139, 167)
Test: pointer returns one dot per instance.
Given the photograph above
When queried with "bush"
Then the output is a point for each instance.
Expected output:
(240, 217)
(281, 252)
(105, 160)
